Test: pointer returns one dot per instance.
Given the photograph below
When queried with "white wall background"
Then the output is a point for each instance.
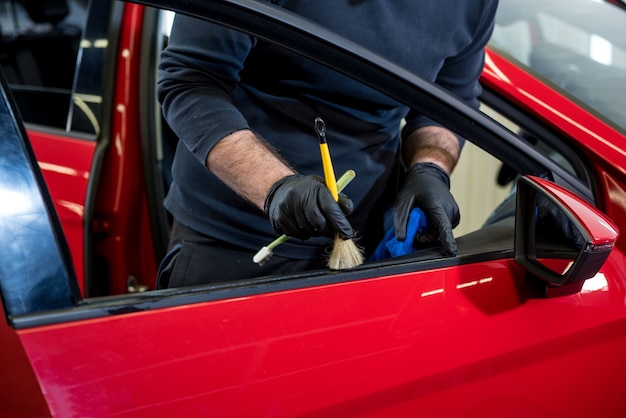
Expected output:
(474, 186)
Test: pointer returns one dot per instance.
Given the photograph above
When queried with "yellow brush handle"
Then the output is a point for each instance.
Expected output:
(329, 172)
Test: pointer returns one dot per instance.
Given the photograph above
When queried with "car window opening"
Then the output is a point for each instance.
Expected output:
(40, 43)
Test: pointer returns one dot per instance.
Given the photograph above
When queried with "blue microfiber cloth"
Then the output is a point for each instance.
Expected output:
(391, 247)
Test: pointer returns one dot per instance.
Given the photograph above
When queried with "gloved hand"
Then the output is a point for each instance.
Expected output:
(427, 187)
(303, 207)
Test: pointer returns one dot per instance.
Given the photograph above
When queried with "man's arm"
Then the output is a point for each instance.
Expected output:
(432, 144)
(298, 206)
(248, 165)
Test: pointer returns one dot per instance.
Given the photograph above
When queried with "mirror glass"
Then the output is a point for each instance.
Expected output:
(558, 240)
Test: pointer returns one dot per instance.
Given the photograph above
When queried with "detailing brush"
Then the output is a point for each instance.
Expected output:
(266, 253)
(345, 253)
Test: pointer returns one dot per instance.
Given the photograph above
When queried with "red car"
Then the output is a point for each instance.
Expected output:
(529, 319)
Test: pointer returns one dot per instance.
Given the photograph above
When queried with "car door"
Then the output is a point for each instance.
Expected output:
(62, 60)
(40, 50)
(462, 336)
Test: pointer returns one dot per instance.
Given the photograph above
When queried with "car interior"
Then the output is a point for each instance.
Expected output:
(39, 44)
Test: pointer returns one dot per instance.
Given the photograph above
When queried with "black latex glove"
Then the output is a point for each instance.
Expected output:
(427, 187)
(303, 207)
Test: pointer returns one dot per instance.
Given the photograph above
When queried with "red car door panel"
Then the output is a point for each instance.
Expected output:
(386, 346)
(67, 173)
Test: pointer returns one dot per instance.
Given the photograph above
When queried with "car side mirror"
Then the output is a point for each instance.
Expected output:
(559, 238)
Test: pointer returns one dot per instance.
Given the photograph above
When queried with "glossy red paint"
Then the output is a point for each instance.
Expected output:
(20, 396)
(126, 242)
(524, 90)
(67, 176)
(615, 198)
(392, 346)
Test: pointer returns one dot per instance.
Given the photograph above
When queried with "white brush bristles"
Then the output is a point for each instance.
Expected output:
(262, 256)
(345, 255)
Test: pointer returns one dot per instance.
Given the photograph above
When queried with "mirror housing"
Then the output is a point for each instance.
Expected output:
(559, 238)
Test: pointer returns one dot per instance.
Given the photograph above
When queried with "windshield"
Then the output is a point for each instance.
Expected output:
(578, 45)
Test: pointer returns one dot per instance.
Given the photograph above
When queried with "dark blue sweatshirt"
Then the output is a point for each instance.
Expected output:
(214, 81)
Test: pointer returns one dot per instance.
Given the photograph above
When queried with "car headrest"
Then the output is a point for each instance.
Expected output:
(48, 11)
